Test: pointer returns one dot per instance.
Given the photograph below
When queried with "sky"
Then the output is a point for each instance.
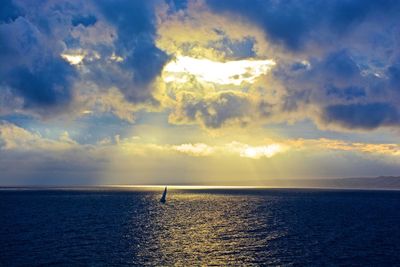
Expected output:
(196, 92)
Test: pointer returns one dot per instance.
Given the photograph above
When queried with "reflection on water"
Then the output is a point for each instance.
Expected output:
(212, 227)
(215, 229)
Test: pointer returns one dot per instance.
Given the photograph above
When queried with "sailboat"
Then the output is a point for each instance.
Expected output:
(164, 196)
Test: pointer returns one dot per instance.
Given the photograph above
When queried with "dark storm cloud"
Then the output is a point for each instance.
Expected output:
(334, 76)
(32, 69)
(47, 85)
(34, 35)
(9, 11)
(346, 97)
(135, 23)
(343, 56)
(332, 70)
(31, 66)
(362, 116)
(340, 66)
(394, 75)
(86, 21)
(282, 21)
(292, 23)
(346, 93)
(348, 72)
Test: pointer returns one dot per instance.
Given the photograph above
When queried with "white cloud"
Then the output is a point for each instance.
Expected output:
(198, 149)
(13, 137)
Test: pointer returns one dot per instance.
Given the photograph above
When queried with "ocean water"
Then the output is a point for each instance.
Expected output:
(117, 227)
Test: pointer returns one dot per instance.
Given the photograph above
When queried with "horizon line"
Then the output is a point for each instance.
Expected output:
(187, 187)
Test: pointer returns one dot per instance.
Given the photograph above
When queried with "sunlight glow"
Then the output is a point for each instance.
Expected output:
(116, 58)
(261, 151)
(73, 59)
(199, 149)
(231, 72)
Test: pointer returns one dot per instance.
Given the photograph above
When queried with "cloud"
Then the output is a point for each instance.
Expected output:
(136, 29)
(338, 92)
(9, 11)
(284, 23)
(88, 20)
(61, 160)
(256, 152)
(236, 72)
(194, 31)
(362, 116)
(329, 59)
(48, 48)
(13, 137)
(325, 144)
(28, 158)
(263, 149)
(234, 148)
(212, 111)
(295, 23)
(317, 76)
(213, 76)
(32, 70)
(198, 149)
(95, 102)
(16, 138)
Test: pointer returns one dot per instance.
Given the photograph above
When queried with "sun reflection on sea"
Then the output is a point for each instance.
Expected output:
(195, 228)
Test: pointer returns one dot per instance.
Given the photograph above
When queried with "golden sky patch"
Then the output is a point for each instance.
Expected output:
(236, 72)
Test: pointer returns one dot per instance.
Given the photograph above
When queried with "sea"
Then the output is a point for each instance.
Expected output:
(118, 226)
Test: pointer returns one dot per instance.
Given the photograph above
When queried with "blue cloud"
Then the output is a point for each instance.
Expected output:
(347, 93)
(292, 23)
(135, 23)
(342, 61)
(32, 69)
(281, 20)
(9, 11)
(214, 112)
(234, 49)
(298, 66)
(362, 116)
(32, 37)
(394, 75)
(340, 65)
(47, 85)
(86, 21)
(177, 5)
(329, 76)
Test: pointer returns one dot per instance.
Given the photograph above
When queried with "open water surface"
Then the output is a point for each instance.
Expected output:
(287, 227)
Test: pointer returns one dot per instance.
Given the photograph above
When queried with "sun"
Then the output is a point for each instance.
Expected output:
(250, 152)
